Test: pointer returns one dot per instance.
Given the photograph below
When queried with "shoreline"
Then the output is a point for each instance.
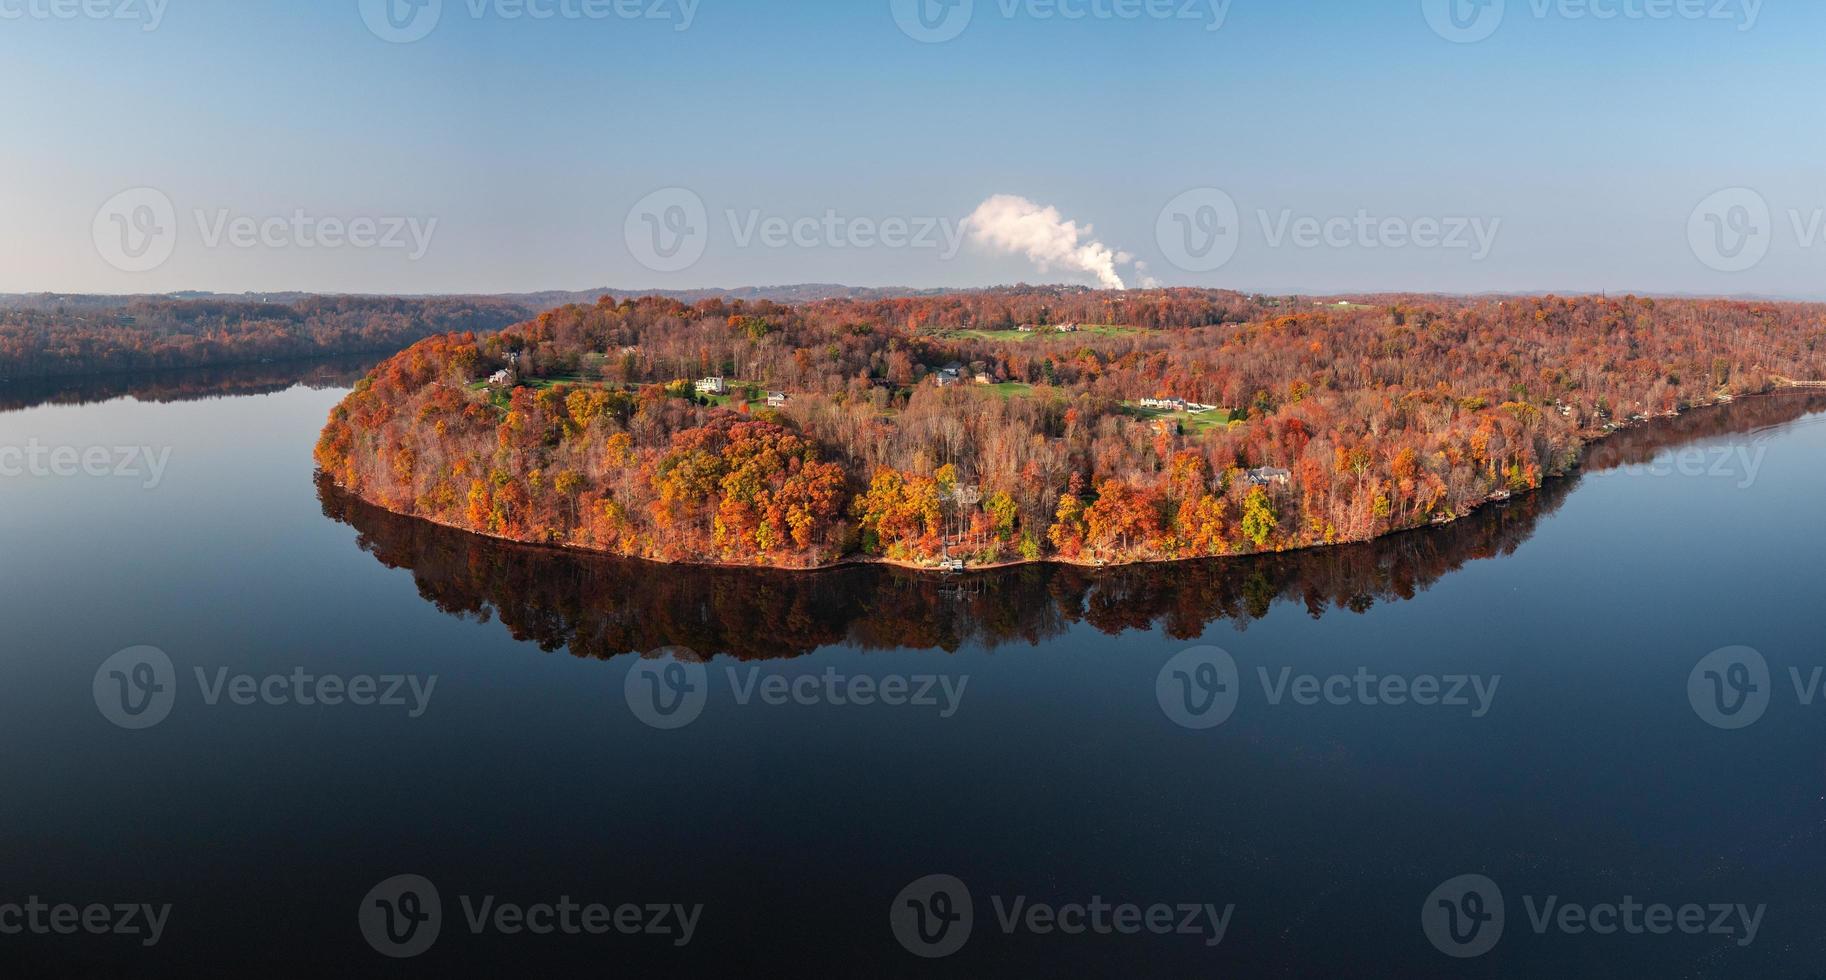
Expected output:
(1502, 497)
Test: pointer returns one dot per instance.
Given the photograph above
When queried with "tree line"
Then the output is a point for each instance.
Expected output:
(78, 336)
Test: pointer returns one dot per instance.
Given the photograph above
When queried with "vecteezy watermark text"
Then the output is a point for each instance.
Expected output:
(149, 13)
(670, 688)
(834, 230)
(1470, 21)
(306, 231)
(137, 688)
(1201, 230)
(1200, 688)
(36, 460)
(669, 230)
(1471, 691)
(403, 916)
(37, 917)
(936, 21)
(137, 231)
(1476, 235)
(1739, 462)
(934, 916)
(1465, 917)
(406, 21)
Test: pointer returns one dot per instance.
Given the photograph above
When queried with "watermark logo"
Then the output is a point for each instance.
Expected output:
(136, 687)
(933, 917)
(136, 230)
(1470, 21)
(668, 230)
(401, 21)
(1734, 229)
(402, 916)
(937, 21)
(1199, 688)
(1729, 688)
(667, 688)
(932, 21)
(1200, 230)
(1733, 687)
(407, 21)
(1464, 21)
(1463, 918)
(1731, 231)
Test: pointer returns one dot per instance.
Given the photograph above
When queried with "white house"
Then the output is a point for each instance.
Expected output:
(776, 399)
(1270, 474)
(1165, 404)
(501, 377)
(713, 386)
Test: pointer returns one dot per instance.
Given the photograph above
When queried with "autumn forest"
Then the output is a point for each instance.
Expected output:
(1027, 424)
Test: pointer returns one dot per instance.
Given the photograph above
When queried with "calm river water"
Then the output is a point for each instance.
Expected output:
(1582, 734)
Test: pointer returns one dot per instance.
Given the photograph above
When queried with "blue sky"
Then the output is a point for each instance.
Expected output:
(1581, 144)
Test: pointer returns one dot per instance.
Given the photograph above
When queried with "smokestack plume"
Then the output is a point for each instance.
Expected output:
(1014, 225)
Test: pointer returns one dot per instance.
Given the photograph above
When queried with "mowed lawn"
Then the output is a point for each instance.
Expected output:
(1001, 336)
(1010, 389)
(1188, 422)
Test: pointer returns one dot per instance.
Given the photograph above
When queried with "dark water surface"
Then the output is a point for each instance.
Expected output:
(1062, 750)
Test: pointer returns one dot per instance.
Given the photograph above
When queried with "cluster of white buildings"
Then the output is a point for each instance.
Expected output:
(1177, 405)
(720, 386)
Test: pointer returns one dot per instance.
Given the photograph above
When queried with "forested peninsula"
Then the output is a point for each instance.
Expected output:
(1027, 424)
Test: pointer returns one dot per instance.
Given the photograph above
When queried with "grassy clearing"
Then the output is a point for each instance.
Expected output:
(1010, 389)
(1189, 423)
(576, 380)
(1047, 333)
(733, 400)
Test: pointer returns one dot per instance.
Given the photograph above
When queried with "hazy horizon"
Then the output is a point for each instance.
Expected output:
(902, 288)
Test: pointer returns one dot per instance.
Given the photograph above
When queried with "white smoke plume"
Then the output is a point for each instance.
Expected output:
(1016, 226)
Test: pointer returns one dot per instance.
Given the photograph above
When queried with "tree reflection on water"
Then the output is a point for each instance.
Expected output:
(603, 607)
